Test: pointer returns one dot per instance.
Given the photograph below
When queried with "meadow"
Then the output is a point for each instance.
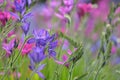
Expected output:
(59, 40)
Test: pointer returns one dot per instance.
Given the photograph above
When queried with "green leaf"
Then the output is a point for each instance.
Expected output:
(80, 77)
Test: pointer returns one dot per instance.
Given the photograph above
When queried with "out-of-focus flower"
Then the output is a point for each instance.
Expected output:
(95, 46)
(65, 58)
(8, 47)
(96, 17)
(51, 47)
(16, 74)
(114, 39)
(26, 48)
(114, 49)
(24, 21)
(1, 1)
(25, 27)
(4, 17)
(68, 4)
(65, 45)
(83, 8)
(11, 33)
(116, 60)
(54, 3)
(20, 5)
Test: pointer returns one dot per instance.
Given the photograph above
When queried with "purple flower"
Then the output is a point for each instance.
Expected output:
(95, 46)
(29, 2)
(68, 2)
(114, 39)
(8, 47)
(20, 5)
(36, 56)
(43, 40)
(25, 27)
(40, 38)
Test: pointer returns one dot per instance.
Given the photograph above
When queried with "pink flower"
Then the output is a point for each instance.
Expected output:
(11, 33)
(26, 48)
(69, 51)
(1, 1)
(83, 8)
(64, 59)
(4, 17)
(113, 50)
(16, 74)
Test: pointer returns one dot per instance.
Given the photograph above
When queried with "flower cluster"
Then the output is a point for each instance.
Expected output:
(43, 43)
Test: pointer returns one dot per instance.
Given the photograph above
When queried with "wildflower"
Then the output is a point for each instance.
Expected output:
(4, 17)
(83, 8)
(36, 56)
(42, 38)
(68, 2)
(114, 49)
(20, 5)
(63, 10)
(25, 27)
(26, 48)
(65, 58)
(8, 47)
(1, 1)
(51, 48)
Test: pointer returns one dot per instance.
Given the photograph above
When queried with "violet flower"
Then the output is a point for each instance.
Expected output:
(43, 39)
(51, 47)
(8, 47)
(36, 56)
(20, 5)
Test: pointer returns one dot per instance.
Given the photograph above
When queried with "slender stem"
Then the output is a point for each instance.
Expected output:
(20, 50)
(70, 72)
(97, 73)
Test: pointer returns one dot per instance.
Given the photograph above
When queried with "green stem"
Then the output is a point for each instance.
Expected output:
(97, 73)
(70, 72)
(20, 50)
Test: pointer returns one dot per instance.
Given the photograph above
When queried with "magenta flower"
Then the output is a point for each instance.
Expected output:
(4, 17)
(26, 49)
(83, 8)
(114, 49)
(65, 58)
